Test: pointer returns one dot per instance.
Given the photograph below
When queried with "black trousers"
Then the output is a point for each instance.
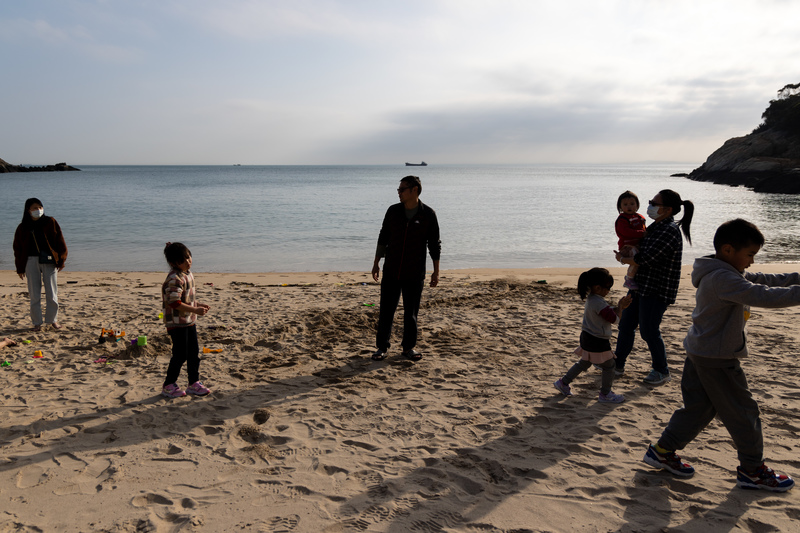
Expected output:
(391, 289)
(184, 350)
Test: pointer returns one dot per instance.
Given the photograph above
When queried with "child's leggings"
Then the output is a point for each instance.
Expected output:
(580, 366)
(184, 350)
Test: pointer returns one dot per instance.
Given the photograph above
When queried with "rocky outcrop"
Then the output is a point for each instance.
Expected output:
(765, 161)
(7, 167)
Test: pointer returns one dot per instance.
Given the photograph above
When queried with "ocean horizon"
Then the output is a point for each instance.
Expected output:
(305, 218)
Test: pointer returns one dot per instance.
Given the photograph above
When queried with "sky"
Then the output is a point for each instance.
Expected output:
(387, 81)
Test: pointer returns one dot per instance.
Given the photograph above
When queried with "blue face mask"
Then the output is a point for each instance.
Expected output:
(652, 211)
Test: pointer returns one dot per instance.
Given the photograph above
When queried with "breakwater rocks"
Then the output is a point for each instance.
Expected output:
(7, 167)
(765, 161)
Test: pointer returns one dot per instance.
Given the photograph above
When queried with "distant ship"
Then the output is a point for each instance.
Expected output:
(423, 164)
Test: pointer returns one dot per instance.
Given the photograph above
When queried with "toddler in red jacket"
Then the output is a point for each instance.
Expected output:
(630, 228)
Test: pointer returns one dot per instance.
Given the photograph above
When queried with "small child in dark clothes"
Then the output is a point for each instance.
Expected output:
(180, 314)
(713, 383)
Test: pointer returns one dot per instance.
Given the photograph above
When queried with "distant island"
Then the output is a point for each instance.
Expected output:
(423, 164)
(768, 159)
(7, 167)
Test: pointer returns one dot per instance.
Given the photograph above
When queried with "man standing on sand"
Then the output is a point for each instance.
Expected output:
(408, 228)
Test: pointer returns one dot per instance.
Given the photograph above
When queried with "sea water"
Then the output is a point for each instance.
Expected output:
(327, 218)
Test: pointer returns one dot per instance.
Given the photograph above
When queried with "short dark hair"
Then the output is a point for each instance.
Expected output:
(413, 181)
(738, 233)
(627, 194)
(176, 253)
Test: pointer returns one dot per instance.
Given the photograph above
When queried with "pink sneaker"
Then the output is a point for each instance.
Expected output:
(172, 391)
(197, 388)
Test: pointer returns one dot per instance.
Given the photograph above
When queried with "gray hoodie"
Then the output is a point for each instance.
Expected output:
(724, 297)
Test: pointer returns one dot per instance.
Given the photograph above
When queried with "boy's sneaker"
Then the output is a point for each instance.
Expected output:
(630, 284)
(764, 478)
(610, 397)
(619, 372)
(656, 378)
(198, 389)
(563, 388)
(172, 391)
(668, 461)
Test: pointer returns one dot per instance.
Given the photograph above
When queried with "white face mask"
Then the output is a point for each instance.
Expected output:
(37, 213)
(652, 211)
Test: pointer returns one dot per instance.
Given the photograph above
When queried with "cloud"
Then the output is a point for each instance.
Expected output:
(64, 40)
(701, 111)
(268, 20)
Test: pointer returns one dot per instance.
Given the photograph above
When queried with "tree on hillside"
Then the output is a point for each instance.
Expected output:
(783, 113)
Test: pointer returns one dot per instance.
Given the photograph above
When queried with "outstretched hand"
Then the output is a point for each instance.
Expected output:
(625, 301)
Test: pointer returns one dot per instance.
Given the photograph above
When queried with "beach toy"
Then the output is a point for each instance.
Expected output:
(133, 342)
(37, 354)
(26, 342)
(113, 335)
(161, 316)
(141, 340)
(209, 350)
(369, 305)
(5, 363)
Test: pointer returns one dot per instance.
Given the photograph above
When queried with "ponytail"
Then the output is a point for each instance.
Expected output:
(673, 200)
(592, 277)
(686, 221)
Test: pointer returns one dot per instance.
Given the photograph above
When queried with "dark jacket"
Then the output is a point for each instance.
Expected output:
(406, 240)
(25, 247)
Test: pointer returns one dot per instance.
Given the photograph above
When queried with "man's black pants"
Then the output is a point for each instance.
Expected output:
(391, 289)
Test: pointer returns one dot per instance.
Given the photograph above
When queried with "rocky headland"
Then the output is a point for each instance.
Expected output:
(7, 167)
(767, 160)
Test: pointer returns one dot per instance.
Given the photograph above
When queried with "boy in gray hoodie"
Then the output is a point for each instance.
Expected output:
(713, 382)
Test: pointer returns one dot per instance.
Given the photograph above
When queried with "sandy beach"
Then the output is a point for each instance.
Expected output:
(304, 432)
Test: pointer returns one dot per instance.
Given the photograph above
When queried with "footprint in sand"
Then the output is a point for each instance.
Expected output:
(90, 478)
(165, 514)
(283, 524)
(30, 476)
(149, 499)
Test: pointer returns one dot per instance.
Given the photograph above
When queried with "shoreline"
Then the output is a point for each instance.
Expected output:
(554, 276)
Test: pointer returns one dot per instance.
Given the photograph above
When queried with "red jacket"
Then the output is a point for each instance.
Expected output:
(630, 229)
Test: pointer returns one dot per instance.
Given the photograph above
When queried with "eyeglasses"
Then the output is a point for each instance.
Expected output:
(401, 189)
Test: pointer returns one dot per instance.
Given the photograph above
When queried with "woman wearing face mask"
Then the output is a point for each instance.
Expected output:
(658, 277)
(39, 253)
